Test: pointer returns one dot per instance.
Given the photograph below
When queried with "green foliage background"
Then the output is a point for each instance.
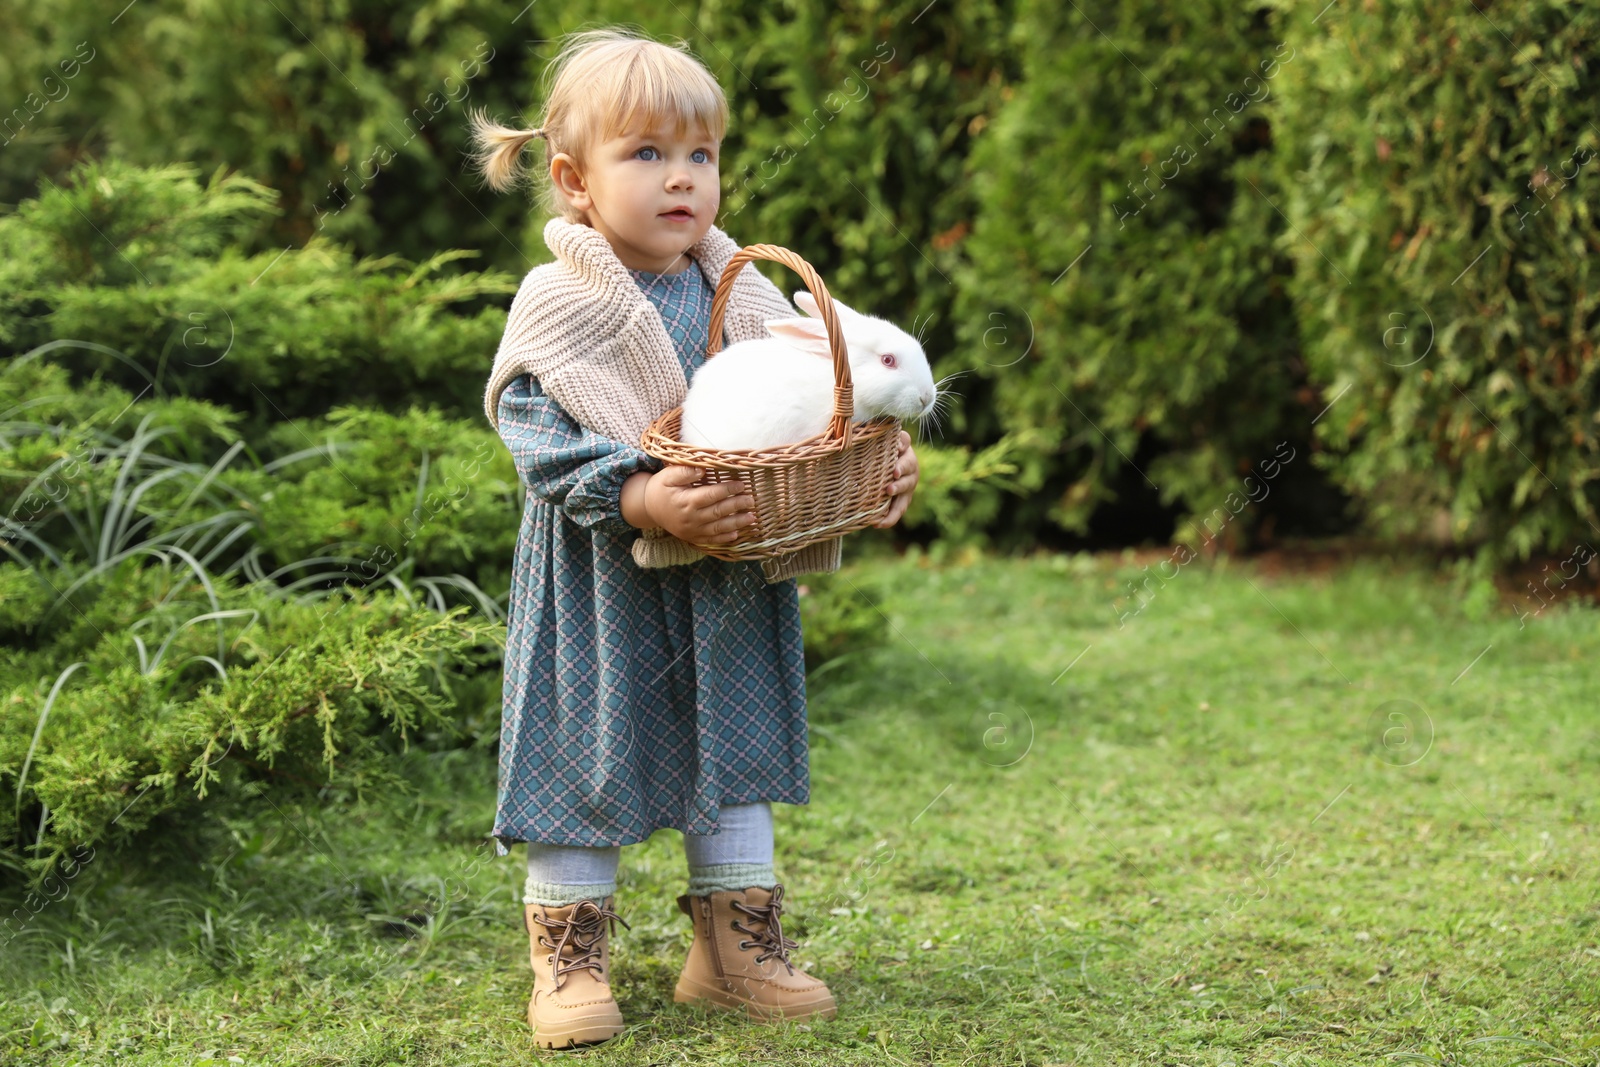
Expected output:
(1451, 182)
(1125, 231)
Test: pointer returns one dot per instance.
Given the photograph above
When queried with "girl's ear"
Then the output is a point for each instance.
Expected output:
(808, 335)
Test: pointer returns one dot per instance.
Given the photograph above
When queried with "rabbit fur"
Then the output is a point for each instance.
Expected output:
(778, 390)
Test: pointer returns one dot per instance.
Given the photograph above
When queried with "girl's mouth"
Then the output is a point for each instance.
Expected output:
(678, 216)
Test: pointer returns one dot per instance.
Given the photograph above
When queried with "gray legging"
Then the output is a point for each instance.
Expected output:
(565, 874)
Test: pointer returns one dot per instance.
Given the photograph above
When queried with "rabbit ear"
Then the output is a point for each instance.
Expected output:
(808, 303)
(808, 335)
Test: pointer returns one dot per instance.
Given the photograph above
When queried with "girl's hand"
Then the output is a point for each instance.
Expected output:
(708, 514)
(904, 484)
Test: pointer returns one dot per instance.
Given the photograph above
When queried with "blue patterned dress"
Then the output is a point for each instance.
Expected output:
(635, 698)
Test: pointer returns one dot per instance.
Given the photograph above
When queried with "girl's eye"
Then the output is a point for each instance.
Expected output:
(700, 152)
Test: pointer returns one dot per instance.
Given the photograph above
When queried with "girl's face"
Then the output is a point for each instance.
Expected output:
(652, 195)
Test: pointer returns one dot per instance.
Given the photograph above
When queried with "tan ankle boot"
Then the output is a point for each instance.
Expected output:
(572, 1002)
(740, 958)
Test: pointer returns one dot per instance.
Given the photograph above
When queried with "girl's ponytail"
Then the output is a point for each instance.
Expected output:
(498, 150)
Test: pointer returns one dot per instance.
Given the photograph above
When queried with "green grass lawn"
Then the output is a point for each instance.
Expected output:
(1293, 820)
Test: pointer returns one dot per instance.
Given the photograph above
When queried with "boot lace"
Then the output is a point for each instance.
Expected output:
(581, 929)
(770, 937)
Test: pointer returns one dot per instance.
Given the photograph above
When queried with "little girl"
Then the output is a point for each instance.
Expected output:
(647, 685)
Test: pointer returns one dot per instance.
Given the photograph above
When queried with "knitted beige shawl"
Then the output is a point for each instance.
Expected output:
(585, 329)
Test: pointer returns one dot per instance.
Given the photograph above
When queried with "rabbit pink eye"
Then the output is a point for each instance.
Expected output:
(888, 359)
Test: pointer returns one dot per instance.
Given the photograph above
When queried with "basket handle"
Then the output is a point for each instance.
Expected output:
(844, 407)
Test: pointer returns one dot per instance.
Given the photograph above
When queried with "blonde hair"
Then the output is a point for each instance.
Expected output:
(604, 83)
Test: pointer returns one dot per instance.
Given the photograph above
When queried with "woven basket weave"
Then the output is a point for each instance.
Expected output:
(805, 491)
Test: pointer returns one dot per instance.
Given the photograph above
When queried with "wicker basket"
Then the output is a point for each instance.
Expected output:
(805, 491)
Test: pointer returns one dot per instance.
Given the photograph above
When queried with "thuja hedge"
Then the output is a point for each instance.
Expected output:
(1439, 165)
(352, 112)
(1122, 292)
(181, 614)
(90, 471)
(146, 261)
(164, 691)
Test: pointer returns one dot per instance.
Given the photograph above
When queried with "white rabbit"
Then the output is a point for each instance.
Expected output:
(779, 390)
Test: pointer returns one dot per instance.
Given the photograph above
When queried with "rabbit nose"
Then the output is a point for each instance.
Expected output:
(924, 397)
